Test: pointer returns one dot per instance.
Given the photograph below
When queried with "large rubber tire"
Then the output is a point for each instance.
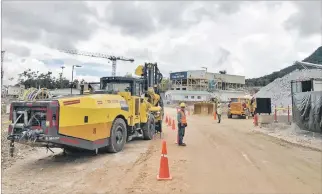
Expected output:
(149, 128)
(158, 127)
(229, 116)
(118, 136)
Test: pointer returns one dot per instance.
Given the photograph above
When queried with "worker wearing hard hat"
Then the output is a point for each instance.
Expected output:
(219, 112)
(182, 124)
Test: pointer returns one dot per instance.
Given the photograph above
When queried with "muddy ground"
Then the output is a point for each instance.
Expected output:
(230, 157)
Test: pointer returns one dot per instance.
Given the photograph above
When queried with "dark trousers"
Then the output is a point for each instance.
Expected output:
(181, 132)
(219, 118)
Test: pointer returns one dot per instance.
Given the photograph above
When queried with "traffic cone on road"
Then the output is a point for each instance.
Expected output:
(173, 125)
(255, 120)
(164, 172)
(166, 119)
(215, 115)
(169, 123)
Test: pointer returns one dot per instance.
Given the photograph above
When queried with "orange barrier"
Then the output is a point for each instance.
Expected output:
(164, 172)
(215, 116)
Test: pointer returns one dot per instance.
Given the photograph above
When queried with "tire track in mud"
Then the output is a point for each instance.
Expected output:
(140, 169)
(117, 179)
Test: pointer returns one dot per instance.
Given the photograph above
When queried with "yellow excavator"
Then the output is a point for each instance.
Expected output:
(104, 119)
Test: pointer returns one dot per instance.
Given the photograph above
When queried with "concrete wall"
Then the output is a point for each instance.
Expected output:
(265, 119)
(225, 95)
(237, 79)
(173, 95)
(14, 90)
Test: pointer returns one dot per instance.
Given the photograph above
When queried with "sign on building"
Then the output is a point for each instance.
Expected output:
(178, 75)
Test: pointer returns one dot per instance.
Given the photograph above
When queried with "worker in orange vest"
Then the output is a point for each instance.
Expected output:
(182, 124)
(219, 112)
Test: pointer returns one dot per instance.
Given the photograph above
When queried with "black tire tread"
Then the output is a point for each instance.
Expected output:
(111, 147)
(146, 130)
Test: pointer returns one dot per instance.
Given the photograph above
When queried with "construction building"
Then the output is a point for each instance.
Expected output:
(199, 85)
(200, 80)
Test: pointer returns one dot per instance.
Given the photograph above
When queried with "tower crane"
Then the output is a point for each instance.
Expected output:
(99, 55)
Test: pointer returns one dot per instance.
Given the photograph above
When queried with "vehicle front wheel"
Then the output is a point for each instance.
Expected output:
(149, 128)
(229, 116)
(118, 136)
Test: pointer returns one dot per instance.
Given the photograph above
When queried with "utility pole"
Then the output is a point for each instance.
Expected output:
(62, 70)
(205, 68)
(2, 72)
(72, 82)
(61, 76)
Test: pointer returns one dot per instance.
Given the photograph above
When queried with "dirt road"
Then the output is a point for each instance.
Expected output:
(219, 158)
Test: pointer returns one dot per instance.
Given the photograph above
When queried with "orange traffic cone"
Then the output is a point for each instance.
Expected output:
(188, 113)
(164, 173)
(215, 116)
(169, 123)
(166, 119)
(255, 120)
(173, 125)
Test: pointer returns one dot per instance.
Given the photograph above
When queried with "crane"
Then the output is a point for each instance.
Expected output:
(99, 55)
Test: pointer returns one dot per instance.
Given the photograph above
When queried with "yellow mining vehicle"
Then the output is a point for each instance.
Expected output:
(243, 106)
(123, 108)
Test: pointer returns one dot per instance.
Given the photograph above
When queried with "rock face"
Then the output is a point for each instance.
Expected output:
(280, 89)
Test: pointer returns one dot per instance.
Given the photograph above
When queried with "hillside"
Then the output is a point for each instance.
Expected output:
(315, 57)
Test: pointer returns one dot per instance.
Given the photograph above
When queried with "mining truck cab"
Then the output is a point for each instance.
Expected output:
(114, 85)
(129, 87)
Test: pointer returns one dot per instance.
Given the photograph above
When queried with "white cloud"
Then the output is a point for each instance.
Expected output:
(249, 38)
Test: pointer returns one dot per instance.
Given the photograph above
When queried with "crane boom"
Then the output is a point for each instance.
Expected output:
(100, 55)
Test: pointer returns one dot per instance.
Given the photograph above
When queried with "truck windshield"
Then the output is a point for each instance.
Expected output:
(115, 87)
(234, 99)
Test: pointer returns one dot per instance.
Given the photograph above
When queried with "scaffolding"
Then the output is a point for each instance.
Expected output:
(203, 84)
(192, 84)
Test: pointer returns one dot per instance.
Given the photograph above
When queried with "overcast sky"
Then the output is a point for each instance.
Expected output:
(244, 38)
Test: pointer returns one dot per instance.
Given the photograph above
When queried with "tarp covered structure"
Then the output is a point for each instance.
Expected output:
(307, 110)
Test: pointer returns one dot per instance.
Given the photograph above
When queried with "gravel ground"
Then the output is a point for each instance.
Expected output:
(229, 157)
(21, 151)
(292, 134)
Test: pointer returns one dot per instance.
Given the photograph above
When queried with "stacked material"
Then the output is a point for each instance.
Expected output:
(35, 94)
(280, 89)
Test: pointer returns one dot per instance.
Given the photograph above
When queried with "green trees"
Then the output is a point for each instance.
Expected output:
(35, 79)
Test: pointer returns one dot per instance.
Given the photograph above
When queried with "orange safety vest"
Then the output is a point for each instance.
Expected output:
(183, 117)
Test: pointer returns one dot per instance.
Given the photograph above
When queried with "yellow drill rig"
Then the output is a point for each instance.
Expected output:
(105, 119)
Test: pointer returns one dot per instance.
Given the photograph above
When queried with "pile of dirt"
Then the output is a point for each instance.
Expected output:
(280, 89)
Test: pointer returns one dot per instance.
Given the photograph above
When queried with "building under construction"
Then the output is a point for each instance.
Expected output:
(199, 85)
(199, 80)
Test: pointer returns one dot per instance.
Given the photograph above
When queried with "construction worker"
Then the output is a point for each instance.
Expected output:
(182, 124)
(219, 112)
